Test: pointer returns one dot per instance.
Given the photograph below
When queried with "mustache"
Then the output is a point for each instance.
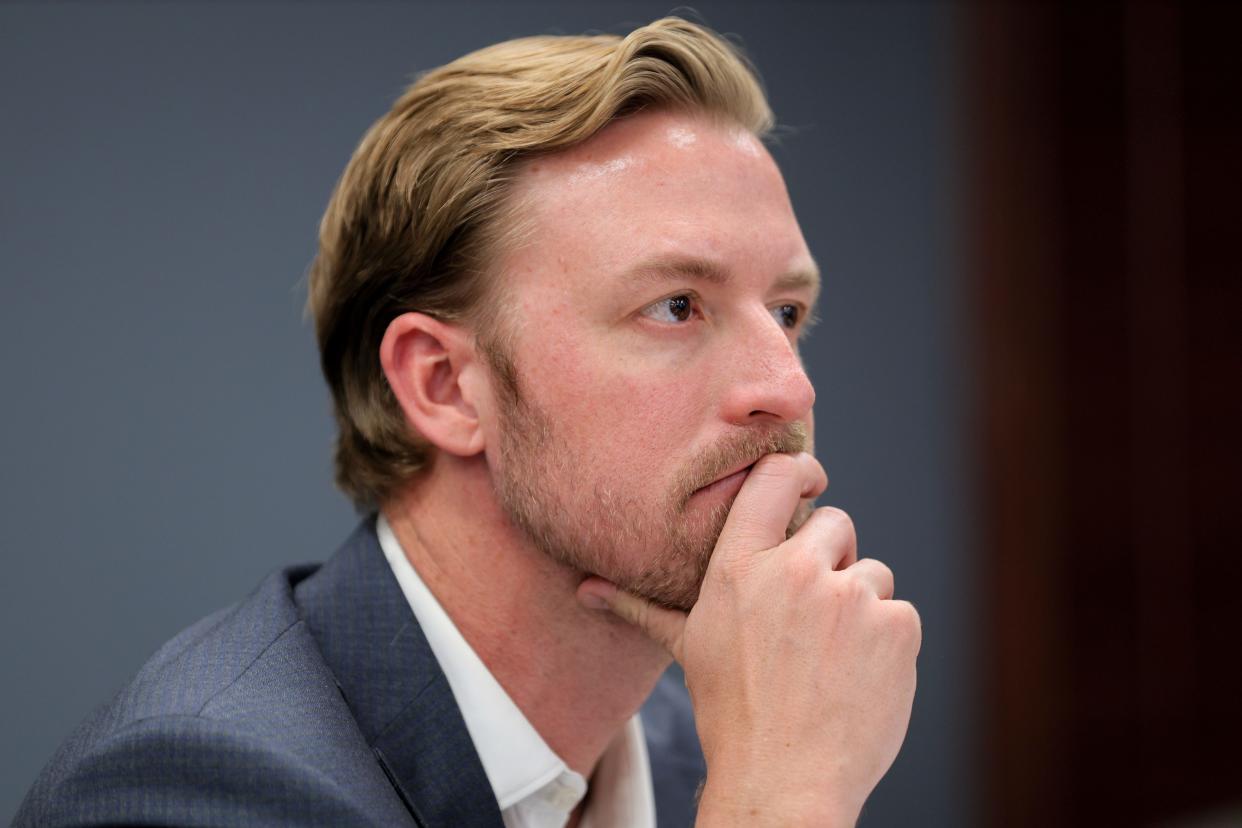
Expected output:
(740, 449)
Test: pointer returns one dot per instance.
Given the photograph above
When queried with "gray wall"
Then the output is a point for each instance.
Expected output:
(165, 436)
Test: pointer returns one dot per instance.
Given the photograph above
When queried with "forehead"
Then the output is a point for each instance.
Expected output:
(656, 184)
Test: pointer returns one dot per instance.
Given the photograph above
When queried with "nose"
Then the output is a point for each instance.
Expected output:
(764, 379)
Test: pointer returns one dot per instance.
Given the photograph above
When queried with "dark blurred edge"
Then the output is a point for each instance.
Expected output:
(1103, 215)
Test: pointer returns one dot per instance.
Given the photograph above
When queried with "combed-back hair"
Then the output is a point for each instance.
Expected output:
(420, 211)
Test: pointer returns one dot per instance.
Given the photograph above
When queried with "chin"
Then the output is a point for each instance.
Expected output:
(674, 581)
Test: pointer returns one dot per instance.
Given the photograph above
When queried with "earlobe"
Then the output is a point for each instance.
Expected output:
(429, 364)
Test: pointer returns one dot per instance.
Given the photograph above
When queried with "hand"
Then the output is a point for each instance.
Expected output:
(800, 666)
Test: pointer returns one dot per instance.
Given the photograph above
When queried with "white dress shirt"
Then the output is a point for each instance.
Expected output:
(533, 786)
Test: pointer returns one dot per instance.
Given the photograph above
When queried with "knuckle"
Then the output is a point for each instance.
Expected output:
(907, 620)
(802, 565)
(826, 524)
(838, 516)
(879, 567)
(836, 521)
(851, 588)
(628, 608)
(642, 615)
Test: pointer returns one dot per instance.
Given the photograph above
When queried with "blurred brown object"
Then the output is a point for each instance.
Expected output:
(1103, 210)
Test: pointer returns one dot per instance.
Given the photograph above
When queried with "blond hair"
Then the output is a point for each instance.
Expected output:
(421, 208)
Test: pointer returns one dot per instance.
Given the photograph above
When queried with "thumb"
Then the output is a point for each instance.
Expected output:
(662, 625)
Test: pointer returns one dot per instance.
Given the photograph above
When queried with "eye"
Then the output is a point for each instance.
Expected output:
(787, 315)
(674, 309)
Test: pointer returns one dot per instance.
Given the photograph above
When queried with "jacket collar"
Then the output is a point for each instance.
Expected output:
(388, 675)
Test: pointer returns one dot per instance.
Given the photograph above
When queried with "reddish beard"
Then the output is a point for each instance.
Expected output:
(543, 483)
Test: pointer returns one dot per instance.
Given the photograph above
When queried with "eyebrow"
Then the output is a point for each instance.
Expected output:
(680, 267)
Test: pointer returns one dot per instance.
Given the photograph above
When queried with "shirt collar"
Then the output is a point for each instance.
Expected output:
(514, 756)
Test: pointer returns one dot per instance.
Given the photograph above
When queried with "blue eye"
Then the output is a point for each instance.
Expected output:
(787, 315)
(677, 308)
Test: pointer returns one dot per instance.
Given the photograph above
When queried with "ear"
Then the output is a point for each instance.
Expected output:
(431, 367)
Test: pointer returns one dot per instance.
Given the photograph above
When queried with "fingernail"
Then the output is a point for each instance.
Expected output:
(592, 601)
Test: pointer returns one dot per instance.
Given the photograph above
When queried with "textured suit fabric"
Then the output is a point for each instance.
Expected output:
(315, 701)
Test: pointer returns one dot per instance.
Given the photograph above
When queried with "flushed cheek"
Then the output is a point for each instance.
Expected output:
(626, 390)
(645, 431)
(625, 418)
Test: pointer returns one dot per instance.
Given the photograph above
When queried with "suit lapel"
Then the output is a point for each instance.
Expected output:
(393, 684)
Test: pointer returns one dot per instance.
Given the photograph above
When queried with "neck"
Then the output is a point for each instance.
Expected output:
(578, 675)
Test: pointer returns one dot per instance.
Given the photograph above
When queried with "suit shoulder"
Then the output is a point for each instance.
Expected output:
(207, 657)
(189, 770)
(240, 708)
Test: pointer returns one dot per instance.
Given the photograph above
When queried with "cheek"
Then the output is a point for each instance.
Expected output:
(628, 417)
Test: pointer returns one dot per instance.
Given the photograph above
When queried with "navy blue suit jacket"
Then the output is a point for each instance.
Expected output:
(315, 701)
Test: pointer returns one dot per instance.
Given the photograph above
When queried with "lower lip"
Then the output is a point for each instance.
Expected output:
(726, 486)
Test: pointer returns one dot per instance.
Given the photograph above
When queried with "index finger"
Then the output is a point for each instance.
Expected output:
(766, 502)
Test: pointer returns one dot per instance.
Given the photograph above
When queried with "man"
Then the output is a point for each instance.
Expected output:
(559, 295)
